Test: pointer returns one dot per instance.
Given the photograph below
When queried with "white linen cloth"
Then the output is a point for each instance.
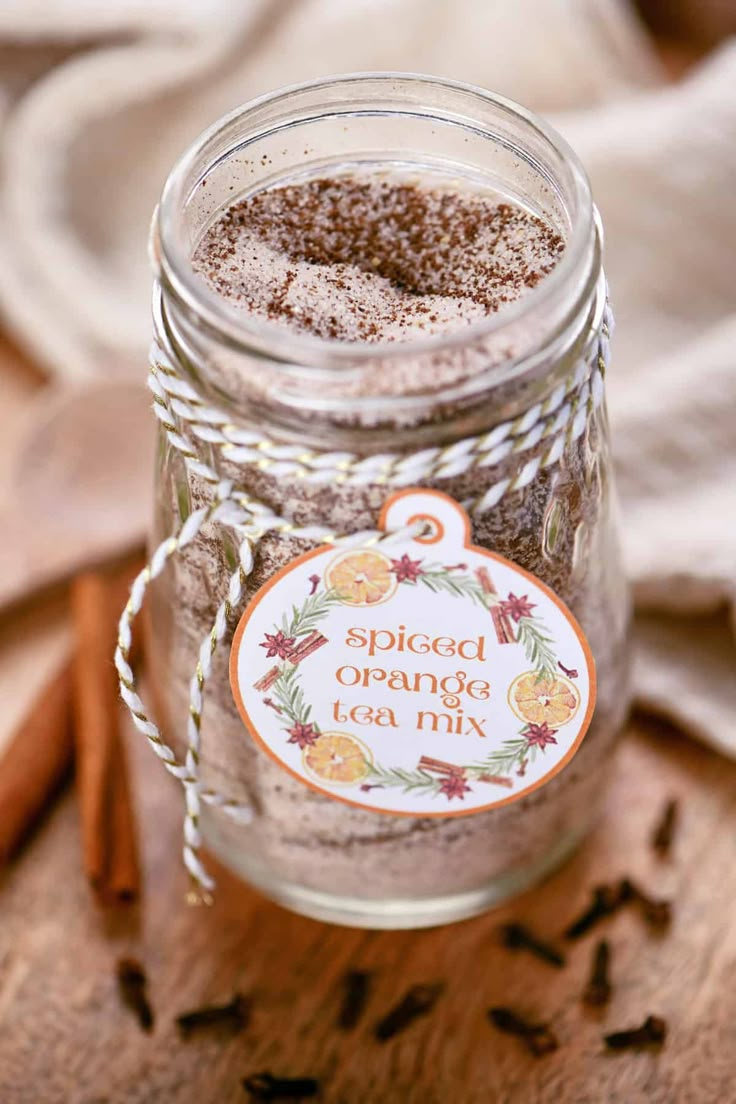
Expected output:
(97, 100)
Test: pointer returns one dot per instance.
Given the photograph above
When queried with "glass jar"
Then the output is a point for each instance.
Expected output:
(524, 378)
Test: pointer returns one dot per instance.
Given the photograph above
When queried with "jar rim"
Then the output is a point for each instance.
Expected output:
(281, 345)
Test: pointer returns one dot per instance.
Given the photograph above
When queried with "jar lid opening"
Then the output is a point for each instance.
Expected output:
(449, 120)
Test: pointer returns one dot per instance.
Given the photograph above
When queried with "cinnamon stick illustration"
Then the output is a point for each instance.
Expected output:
(266, 681)
(307, 647)
(439, 766)
(501, 621)
(497, 780)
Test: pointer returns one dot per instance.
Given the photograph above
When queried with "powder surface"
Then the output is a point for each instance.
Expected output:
(374, 257)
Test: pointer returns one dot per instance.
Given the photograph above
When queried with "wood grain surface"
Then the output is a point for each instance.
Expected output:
(64, 1036)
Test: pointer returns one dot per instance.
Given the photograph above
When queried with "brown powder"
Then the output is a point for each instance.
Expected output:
(374, 258)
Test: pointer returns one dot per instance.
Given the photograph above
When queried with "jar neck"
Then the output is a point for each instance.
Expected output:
(300, 410)
(358, 396)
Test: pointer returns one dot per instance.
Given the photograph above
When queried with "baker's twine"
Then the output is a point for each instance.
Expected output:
(188, 422)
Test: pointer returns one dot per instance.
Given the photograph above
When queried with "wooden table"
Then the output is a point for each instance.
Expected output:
(65, 1038)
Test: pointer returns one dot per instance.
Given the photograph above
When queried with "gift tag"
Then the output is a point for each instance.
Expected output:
(423, 676)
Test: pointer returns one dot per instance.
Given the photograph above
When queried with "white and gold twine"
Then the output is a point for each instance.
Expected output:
(188, 422)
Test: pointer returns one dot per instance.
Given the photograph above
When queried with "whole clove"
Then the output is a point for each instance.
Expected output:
(605, 900)
(539, 1038)
(598, 989)
(517, 936)
(264, 1086)
(652, 1032)
(656, 912)
(232, 1016)
(355, 997)
(132, 986)
(417, 1001)
(664, 831)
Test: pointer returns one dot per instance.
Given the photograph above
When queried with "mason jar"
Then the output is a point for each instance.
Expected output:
(499, 428)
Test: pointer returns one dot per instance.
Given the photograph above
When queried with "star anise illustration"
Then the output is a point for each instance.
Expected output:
(278, 644)
(517, 608)
(303, 734)
(540, 735)
(454, 786)
(406, 570)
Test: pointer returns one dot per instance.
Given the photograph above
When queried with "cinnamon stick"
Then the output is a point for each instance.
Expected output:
(108, 827)
(36, 762)
(501, 622)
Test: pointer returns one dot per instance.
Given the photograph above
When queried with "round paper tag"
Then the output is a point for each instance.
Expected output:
(422, 676)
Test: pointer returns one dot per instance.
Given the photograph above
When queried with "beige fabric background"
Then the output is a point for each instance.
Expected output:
(97, 100)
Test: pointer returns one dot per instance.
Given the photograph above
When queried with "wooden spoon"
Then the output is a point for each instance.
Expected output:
(80, 486)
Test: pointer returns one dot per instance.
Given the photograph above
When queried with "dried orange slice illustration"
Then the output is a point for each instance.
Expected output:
(362, 578)
(537, 701)
(337, 757)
